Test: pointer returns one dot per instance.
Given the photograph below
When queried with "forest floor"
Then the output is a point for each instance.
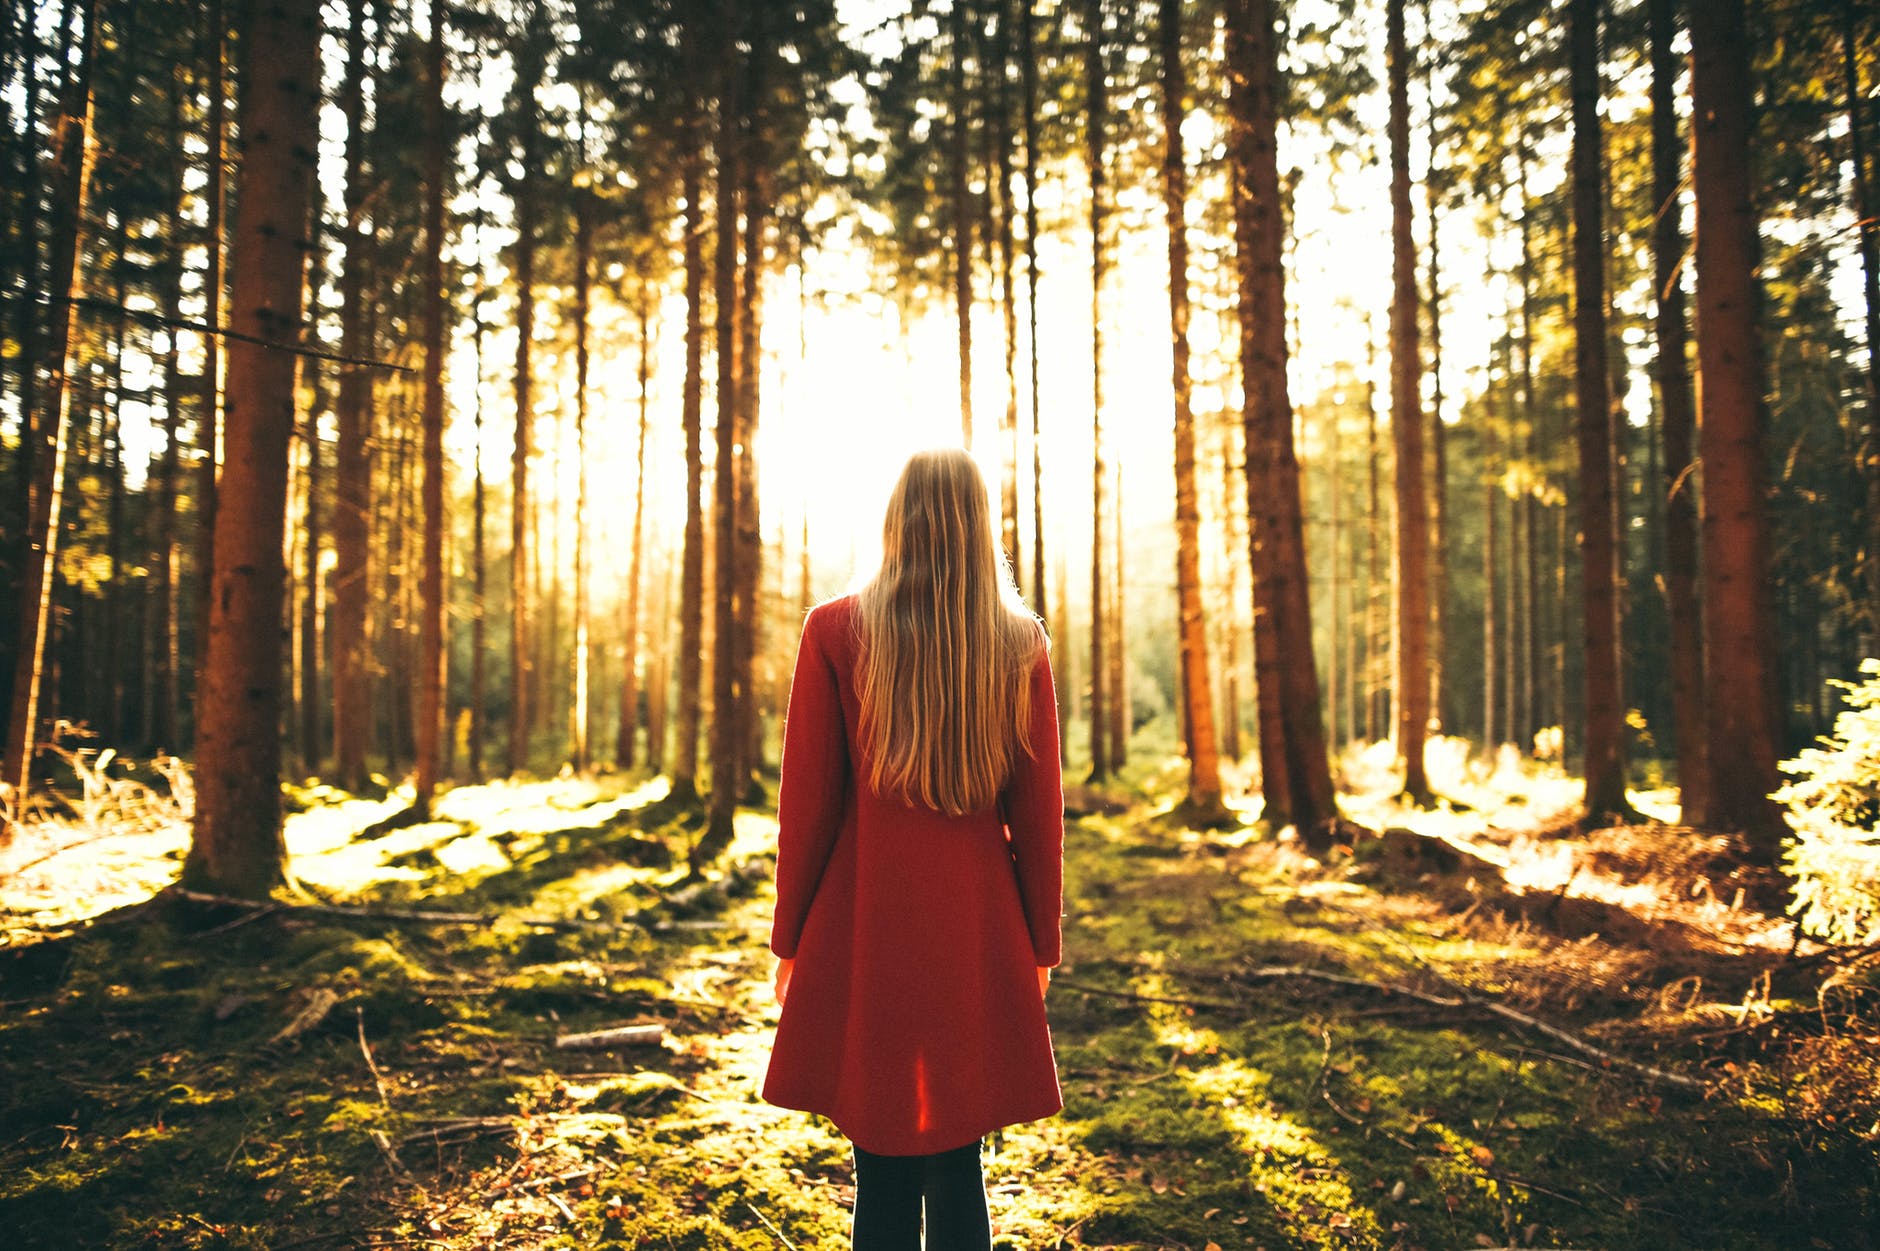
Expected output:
(205, 1076)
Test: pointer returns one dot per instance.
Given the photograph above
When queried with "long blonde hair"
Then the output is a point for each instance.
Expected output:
(946, 644)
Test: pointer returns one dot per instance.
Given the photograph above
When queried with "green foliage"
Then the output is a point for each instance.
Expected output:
(1834, 806)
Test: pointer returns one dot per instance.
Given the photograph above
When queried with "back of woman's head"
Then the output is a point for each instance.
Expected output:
(947, 645)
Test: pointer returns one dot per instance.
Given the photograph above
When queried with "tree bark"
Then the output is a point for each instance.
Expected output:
(479, 509)
(160, 703)
(1493, 728)
(1678, 424)
(726, 733)
(1738, 609)
(624, 745)
(1273, 501)
(431, 651)
(1439, 436)
(237, 848)
(1412, 697)
(71, 178)
(755, 182)
(959, 213)
(1376, 534)
(1095, 87)
(523, 694)
(1005, 208)
(352, 469)
(1204, 763)
(312, 593)
(1120, 709)
(209, 433)
(692, 561)
(1028, 90)
(1870, 290)
(583, 298)
(1604, 743)
(1522, 620)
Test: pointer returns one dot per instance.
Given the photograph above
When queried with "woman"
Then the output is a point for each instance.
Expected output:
(919, 866)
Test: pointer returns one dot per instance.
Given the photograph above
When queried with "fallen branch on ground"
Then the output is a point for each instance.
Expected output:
(1278, 972)
(418, 915)
(620, 1036)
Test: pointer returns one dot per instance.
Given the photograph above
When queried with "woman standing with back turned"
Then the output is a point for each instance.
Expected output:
(920, 866)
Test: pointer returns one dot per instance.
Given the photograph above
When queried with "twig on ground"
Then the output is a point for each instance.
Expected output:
(422, 916)
(1465, 996)
(619, 1036)
(240, 921)
(384, 1143)
(316, 1004)
(1277, 972)
(777, 1233)
(378, 1078)
(1325, 1090)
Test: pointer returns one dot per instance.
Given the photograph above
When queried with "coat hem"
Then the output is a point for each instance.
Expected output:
(913, 1144)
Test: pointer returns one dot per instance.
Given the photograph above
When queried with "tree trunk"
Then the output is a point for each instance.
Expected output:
(1095, 86)
(1066, 673)
(26, 325)
(583, 293)
(1738, 610)
(352, 502)
(1204, 764)
(522, 677)
(630, 663)
(431, 652)
(71, 179)
(1492, 588)
(1678, 424)
(692, 575)
(1337, 727)
(1439, 441)
(209, 432)
(1004, 209)
(479, 509)
(1120, 709)
(314, 598)
(755, 189)
(160, 703)
(959, 214)
(1412, 695)
(237, 848)
(1376, 526)
(1604, 745)
(1228, 631)
(1522, 622)
(1028, 91)
(726, 734)
(1870, 289)
(659, 674)
(1273, 501)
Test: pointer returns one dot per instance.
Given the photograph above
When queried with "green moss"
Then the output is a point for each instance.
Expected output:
(145, 1109)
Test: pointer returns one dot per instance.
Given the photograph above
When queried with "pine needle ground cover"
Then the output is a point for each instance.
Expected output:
(197, 1076)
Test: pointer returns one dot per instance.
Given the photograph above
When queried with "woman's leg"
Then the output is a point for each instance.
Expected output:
(955, 1190)
(887, 1202)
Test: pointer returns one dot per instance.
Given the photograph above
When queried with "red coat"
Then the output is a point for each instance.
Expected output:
(913, 1019)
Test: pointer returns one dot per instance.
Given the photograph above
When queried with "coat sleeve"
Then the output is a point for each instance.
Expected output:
(1034, 816)
(812, 787)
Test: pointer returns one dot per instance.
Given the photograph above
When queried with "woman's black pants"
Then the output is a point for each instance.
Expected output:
(890, 1191)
